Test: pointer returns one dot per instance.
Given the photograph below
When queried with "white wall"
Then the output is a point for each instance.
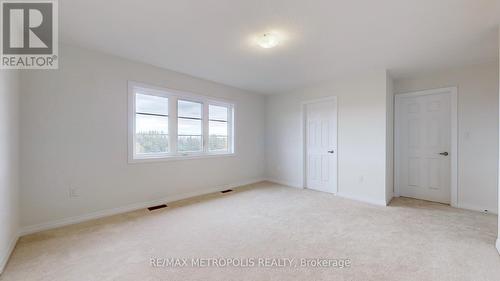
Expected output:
(362, 120)
(477, 128)
(74, 134)
(9, 162)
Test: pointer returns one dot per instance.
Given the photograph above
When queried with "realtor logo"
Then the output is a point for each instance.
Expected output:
(29, 34)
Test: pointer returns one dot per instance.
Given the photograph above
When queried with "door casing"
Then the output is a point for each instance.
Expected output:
(452, 91)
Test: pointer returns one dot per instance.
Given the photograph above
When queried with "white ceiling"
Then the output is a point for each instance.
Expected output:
(211, 39)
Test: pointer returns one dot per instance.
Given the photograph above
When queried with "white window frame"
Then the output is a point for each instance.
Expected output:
(173, 96)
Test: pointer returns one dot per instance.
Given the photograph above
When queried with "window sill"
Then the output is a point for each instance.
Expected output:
(153, 159)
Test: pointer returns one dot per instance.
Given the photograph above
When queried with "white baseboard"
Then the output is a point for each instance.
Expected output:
(364, 200)
(286, 183)
(475, 208)
(498, 245)
(5, 257)
(388, 200)
(471, 208)
(115, 211)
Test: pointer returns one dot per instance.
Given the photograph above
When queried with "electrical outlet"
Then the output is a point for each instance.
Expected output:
(73, 192)
(467, 135)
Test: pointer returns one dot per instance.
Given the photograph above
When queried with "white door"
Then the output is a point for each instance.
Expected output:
(423, 142)
(321, 145)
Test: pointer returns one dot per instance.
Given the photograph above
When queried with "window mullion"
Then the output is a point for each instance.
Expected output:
(172, 124)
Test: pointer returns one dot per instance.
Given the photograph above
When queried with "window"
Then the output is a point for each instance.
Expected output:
(167, 124)
(151, 124)
(218, 128)
(189, 126)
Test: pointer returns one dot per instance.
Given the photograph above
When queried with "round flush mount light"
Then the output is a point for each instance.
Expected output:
(268, 40)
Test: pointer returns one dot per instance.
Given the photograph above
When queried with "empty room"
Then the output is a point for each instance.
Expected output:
(249, 140)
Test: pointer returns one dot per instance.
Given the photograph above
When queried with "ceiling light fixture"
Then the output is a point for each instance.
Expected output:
(268, 40)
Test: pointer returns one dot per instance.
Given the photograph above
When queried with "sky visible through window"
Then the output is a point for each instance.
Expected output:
(217, 128)
(218, 120)
(151, 119)
(158, 108)
(188, 109)
(152, 125)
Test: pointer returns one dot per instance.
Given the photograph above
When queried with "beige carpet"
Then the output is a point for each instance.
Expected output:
(410, 240)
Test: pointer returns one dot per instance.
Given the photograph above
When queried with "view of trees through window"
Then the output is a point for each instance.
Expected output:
(189, 126)
(217, 128)
(152, 125)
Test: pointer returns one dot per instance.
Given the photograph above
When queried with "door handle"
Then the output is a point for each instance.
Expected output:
(331, 151)
(444, 153)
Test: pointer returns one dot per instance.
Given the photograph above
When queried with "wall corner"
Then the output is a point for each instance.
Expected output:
(389, 180)
(498, 239)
